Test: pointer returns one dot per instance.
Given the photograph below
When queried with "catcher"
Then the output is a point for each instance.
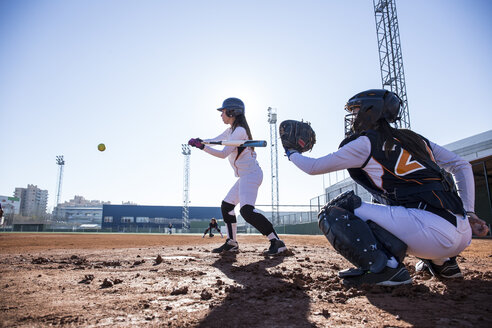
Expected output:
(418, 209)
(212, 225)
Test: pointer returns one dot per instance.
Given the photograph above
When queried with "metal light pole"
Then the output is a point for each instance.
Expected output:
(272, 119)
(61, 163)
(186, 151)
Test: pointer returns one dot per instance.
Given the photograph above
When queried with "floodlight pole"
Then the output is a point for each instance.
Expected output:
(61, 163)
(186, 151)
(272, 119)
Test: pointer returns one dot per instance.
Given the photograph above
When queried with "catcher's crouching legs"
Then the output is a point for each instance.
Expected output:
(352, 238)
(376, 253)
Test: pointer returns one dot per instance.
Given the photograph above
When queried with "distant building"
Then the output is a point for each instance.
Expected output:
(33, 201)
(79, 214)
(127, 218)
(476, 149)
(82, 202)
(80, 211)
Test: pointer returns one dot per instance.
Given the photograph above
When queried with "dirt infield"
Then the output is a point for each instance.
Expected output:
(131, 280)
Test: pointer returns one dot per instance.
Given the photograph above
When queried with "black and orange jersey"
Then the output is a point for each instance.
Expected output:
(396, 178)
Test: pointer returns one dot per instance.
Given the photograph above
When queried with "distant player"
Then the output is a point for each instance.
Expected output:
(250, 176)
(170, 228)
(212, 225)
(420, 212)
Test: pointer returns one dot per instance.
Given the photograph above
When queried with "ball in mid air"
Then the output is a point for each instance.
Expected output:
(101, 147)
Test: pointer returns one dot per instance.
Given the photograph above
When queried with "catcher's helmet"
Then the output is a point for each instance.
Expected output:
(233, 107)
(367, 107)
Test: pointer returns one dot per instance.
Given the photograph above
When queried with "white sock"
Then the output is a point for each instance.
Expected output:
(392, 263)
(272, 236)
(234, 231)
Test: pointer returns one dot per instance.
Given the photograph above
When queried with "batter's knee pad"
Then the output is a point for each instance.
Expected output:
(347, 200)
(392, 244)
(256, 219)
(226, 208)
(352, 238)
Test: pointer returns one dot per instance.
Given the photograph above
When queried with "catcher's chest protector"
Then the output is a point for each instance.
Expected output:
(399, 179)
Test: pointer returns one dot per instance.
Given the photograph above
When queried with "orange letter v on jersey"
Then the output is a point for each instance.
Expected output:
(405, 165)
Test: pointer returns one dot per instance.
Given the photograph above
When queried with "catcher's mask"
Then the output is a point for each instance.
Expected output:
(233, 106)
(368, 107)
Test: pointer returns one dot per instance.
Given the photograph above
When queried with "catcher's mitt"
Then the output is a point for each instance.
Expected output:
(297, 135)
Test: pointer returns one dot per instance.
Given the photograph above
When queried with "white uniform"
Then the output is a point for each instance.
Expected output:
(245, 166)
(427, 235)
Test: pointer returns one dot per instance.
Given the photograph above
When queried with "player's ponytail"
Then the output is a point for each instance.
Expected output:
(411, 141)
(241, 121)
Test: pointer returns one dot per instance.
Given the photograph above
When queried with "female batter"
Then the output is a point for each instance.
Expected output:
(419, 211)
(249, 174)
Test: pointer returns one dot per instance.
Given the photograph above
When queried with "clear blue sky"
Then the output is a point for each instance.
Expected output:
(145, 76)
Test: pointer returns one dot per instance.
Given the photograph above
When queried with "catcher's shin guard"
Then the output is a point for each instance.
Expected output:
(390, 242)
(352, 238)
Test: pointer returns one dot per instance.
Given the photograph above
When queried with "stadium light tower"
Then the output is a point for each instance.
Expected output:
(272, 119)
(186, 151)
(390, 56)
(61, 163)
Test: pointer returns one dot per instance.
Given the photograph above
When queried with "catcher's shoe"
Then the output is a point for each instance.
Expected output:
(448, 270)
(387, 277)
(229, 246)
(276, 247)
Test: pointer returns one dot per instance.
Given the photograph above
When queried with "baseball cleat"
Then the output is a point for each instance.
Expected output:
(387, 277)
(276, 247)
(229, 246)
(448, 270)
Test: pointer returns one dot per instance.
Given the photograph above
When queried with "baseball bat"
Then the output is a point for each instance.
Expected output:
(238, 143)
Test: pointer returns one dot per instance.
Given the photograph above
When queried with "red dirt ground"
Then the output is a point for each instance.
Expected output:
(135, 280)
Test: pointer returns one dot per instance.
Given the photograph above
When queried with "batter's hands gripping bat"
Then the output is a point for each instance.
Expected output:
(238, 143)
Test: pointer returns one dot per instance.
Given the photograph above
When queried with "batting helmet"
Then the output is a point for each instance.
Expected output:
(233, 107)
(367, 107)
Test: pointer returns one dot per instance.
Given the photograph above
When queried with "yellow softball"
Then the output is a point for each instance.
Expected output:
(101, 147)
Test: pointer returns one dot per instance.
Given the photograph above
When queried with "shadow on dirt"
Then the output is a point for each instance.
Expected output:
(441, 306)
(260, 299)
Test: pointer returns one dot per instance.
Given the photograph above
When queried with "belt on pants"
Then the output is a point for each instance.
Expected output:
(442, 212)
